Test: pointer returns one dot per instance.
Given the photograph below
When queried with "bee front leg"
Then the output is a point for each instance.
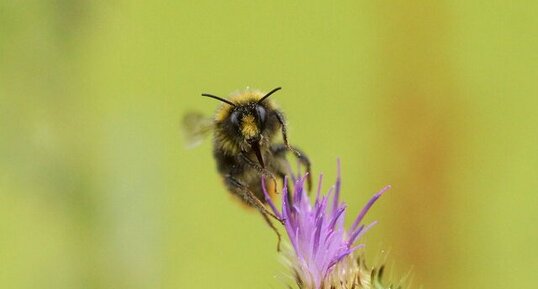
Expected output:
(238, 188)
(261, 170)
(282, 121)
(279, 150)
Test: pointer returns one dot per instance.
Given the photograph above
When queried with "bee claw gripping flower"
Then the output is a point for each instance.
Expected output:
(323, 250)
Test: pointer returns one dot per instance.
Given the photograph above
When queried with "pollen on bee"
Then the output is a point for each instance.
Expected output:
(272, 188)
(248, 126)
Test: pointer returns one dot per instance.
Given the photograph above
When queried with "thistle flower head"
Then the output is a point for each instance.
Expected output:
(322, 249)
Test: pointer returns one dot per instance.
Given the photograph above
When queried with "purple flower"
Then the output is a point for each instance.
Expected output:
(321, 245)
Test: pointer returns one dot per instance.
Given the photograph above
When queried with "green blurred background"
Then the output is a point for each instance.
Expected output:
(97, 190)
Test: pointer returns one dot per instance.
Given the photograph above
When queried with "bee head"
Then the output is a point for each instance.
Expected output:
(246, 113)
(247, 118)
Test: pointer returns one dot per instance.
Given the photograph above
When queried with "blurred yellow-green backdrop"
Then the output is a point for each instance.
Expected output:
(97, 190)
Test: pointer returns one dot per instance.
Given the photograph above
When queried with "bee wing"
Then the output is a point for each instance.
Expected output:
(195, 128)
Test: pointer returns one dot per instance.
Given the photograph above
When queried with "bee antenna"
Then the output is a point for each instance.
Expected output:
(269, 94)
(219, 98)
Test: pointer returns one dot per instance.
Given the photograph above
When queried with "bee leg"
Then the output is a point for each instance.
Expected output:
(261, 170)
(280, 149)
(266, 218)
(248, 196)
(298, 153)
(282, 121)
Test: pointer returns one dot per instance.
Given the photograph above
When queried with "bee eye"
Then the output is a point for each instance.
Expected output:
(234, 118)
(260, 110)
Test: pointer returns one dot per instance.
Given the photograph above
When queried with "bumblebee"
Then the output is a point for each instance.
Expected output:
(245, 128)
